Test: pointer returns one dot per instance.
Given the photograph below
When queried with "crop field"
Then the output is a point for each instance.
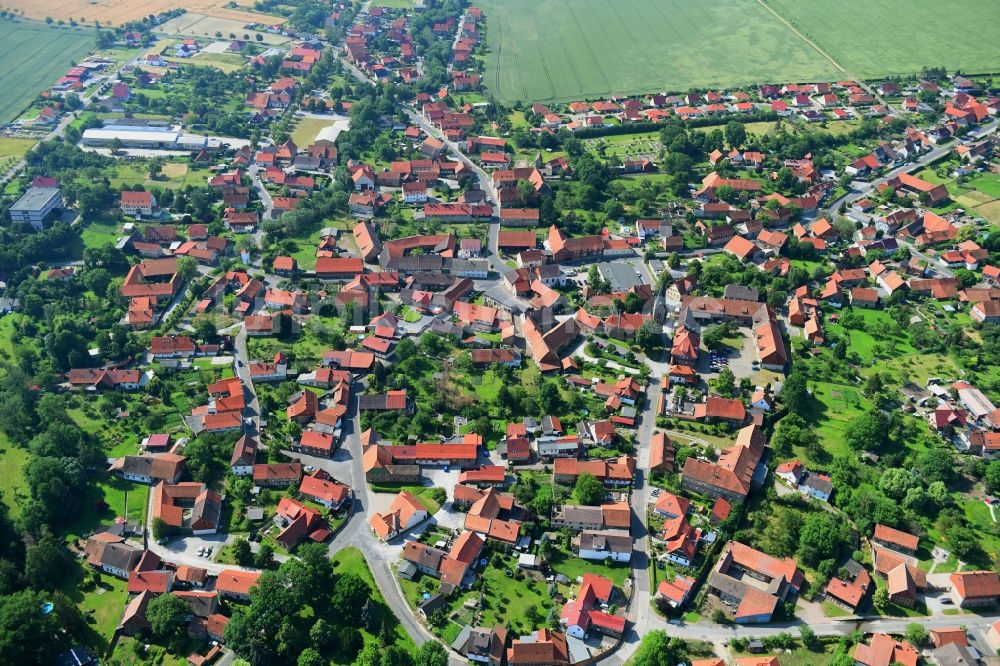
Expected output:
(873, 39)
(118, 12)
(32, 57)
(204, 25)
(562, 50)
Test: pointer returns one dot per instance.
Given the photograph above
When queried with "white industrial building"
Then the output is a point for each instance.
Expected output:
(141, 136)
(35, 205)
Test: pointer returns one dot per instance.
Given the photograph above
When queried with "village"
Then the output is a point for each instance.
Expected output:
(710, 375)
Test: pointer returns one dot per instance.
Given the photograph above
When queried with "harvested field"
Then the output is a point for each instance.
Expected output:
(117, 12)
(32, 57)
(195, 24)
(989, 212)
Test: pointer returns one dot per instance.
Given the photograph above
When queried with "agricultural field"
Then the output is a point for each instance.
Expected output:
(561, 50)
(12, 149)
(118, 12)
(966, 41)
(33, 56)
(207, 25)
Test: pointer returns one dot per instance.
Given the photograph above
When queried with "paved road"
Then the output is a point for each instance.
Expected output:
(935, 153)
(265, 199)
(252, 410)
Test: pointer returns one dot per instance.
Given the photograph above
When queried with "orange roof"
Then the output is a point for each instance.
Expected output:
(898, 537)
(232, 581)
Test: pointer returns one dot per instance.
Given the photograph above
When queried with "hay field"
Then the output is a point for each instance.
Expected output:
(874, 39)
(194, 24)
(116, 12)
(32, 57)
(561, 50)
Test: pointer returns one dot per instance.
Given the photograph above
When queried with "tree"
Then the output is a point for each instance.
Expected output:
(809, 639)
(992, 476)
(241, 552)
(588, 489)
(204, 329)
(736, 134)
(28, 636)
(649, 337)
(396, 656)
(265, 556)
(867, 432)
(916, 634)
(895, 481)
(187, 268)
(350, 593)
(167, 616)
(47, 562)
(658, 649)
(432, 653)
(310, 657)
(881, 598)
(795, 393)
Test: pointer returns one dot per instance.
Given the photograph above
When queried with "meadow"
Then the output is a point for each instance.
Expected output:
(32, 57)
(560, 50)
(875, 39)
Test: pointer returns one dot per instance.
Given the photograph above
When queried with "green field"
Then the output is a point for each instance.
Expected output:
(565, 50)
(34, 56)
(908, 35)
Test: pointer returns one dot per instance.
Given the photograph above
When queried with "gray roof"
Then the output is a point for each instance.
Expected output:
(578, 513)
(818, 483)
(953, 654)
(615, 541)
(620, 275)
(35, 198)
(741, 293)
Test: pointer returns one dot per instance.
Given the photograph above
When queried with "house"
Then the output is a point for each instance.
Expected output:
(406, 512)
(973, 589)
(244, 454)
(738, 563)
(138, 204)
(733, 475)
(884, 650)
(111, 554)
(277, 475)
(897, 540)
(149, 469)
(676, 592)
(854, 591)
(187, 505)
(791, 472)
(614, 545)
(542, 648)
(481, 645)
(298, 522)
(235, 584)
(584, 613)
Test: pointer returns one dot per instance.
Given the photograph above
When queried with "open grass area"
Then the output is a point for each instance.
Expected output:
(32, 57)
(839, 26)
(102, 603)
(350, 560)
(574, 567)
(562, 50)
(424, 494)
(800, 656)
(306, 130)
(12, 484)
(13, 148)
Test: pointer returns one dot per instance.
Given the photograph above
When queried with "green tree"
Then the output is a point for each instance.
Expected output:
(432, 653)
(310, 657)
(167, 616)
(588, 489)
(658, 649)
(736, 134)
(916, 634)
(795, 393)
(241, 552)
(47, 562)
(28, 636)
(992, 476)
(187, 268)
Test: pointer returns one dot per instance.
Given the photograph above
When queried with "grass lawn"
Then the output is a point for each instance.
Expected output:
(33, 56)
(13, 148)
(573, 567)
(12, 484)
(553, 49)
(103, 603)
(422, 493)
(832, 406)
(831, 609)
(410, 315)
(306, 130)
(800, 656)
(350, 560)
(393, 4)
(106, 501)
